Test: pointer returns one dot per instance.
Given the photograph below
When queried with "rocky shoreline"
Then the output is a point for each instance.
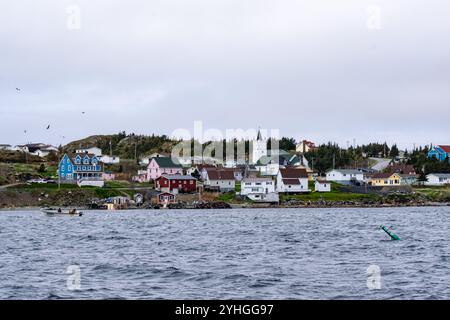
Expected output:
(223, 205)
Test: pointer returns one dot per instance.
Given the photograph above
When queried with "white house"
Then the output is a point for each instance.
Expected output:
(292, 180)
(322, 186)
(45, 151)
(438, 179)
(6, 147)
(93, 150)
(259, 189)
(345, 176)
(220, 180)
(109, 159)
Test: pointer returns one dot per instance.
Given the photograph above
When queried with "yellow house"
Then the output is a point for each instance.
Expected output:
(385, 180)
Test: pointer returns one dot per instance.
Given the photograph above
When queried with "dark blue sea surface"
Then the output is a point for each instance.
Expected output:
(226, 254)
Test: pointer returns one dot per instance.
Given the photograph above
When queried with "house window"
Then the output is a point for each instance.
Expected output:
(69, 167)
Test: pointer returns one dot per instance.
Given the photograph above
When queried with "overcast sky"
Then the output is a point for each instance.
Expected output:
(320, 70)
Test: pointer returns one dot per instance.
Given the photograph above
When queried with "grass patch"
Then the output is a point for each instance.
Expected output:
(107, 193)
(226, 197)
(117, 184)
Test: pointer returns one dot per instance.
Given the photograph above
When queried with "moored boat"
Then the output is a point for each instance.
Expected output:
(52, 211)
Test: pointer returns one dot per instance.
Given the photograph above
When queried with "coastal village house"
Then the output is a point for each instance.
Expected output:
(440, 152)
(106, 159)
(6, 147)
(407, 173)
(259, 190)
(84, 169)
(438, 179)
(146, 159)
(219, 180)
(176, 183)
(37, 149)
(159, 166)
(92, 150)
(166, 198)
(292, 180)
(345, 176)
(322, 185)
(385, 180)
(305, 146)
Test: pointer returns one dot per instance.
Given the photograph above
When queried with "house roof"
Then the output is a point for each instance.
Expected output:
(440, 175)
(256, 180)
(402, 169)
(290, 173)
(346, 171)
(220, 174)
(82, 155)
(166, 162)
(382, 175)
(177, 177)
(445, 148)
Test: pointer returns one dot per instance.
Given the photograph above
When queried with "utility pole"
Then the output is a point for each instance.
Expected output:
(334, 160)
(110, 148)
(59, 170)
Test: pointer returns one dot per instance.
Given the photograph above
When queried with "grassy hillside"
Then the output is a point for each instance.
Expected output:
(124, 145)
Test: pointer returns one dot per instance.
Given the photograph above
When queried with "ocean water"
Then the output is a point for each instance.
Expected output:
(226, 254)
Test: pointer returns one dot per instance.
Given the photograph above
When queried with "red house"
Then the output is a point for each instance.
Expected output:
(176, 183)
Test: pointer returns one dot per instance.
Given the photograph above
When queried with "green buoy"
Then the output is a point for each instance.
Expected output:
(390, 233)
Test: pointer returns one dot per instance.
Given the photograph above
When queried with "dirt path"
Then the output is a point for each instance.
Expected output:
(9, 185)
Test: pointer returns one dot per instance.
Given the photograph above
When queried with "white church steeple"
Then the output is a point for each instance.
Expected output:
(259, 148)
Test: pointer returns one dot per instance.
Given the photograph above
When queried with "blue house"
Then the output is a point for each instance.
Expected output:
(440, 152)
(81, 166)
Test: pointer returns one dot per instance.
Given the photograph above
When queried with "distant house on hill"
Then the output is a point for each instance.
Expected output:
(37, 149)
(292, 180)
(106, 159)
(6, 147)
(92, 150)
(146, 159)
(305, 146)
(162, 165)
(269, 164)
(440, 152)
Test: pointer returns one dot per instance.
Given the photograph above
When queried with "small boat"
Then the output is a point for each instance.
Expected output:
(72, 212)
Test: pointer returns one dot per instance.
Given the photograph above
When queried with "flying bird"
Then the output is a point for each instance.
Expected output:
(83, 112)
(48, 127)
(18, 89)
